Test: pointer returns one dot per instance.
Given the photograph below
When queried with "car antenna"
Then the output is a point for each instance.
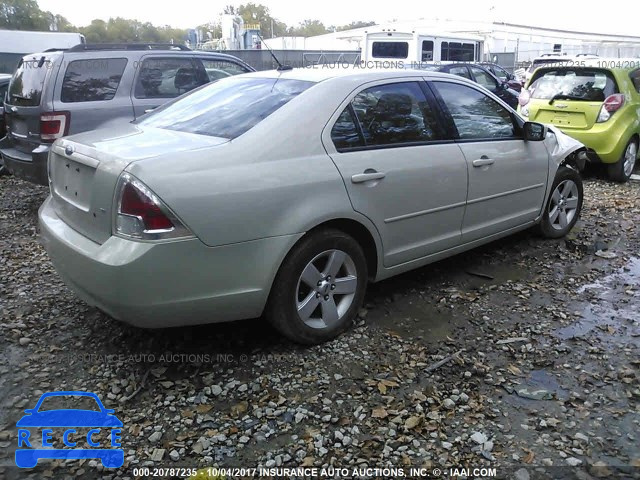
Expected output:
(281, 68)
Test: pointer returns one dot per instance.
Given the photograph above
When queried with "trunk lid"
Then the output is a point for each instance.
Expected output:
(84, 170)
(573, 114)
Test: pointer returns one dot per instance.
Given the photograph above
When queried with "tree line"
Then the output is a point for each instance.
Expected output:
(27, 15)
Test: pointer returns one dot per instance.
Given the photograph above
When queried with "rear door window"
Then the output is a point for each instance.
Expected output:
(25, 89)
(217, 69)
(92, 80)
(460, 71)
(484, 79)
(396, 113)
(574, 84)
(166, 77)
(475, 114)
(345, 133)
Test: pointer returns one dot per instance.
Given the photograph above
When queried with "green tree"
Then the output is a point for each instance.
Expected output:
(308, 28)
(256, 13)
(23, 15)
(352, 25)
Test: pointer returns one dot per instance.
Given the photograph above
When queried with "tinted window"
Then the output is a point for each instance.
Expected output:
(579, 84)
(168, 77)
(390, 49)
(427, 50)
(26, 85)
(92, 80)
(217, 69)
(227, 108)
(395, 113)
(499, 72)
(458, 52)
(3, 91)
(484, 79)
(345, 133)
(459, 71)
(635, 78)
(475, 115)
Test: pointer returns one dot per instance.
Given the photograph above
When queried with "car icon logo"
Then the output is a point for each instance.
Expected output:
(68, 150)
(67, 424)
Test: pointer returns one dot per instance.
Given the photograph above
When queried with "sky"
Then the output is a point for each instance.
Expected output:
(568, 14)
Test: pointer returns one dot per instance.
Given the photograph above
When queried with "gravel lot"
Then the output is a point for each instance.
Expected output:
(521, 356)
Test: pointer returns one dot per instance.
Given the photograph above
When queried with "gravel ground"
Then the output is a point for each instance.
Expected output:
(520, 356)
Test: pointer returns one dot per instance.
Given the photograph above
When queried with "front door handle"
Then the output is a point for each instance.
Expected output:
(483, 161)
(368, 175)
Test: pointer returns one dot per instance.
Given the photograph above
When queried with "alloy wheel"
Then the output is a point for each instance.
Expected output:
(630, 155)
(326, 289)
(564, 205)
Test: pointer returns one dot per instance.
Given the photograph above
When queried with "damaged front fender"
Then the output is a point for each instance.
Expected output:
(564, 149)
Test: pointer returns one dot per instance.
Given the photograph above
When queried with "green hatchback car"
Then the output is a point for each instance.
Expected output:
(595, 101)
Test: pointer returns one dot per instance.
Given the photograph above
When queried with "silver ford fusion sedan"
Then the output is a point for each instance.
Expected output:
(283, 193)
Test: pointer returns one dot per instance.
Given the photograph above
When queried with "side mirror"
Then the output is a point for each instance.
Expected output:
(534, 132)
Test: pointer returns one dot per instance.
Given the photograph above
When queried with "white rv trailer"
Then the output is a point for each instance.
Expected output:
(14, 44)
(421, 46)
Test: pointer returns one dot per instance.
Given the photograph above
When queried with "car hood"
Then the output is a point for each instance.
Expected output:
(69, 418)
(560, 145)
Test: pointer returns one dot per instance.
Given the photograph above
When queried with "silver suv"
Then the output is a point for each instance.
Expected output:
(62, 92)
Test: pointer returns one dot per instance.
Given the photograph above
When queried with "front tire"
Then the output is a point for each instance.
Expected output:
(621, 170)
(564, 205)
(319, 288)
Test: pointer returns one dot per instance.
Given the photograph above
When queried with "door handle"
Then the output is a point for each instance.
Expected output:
(368, 175)
(483, 161)
(149, 110)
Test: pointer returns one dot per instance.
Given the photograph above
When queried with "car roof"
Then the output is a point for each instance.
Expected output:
(319, 74)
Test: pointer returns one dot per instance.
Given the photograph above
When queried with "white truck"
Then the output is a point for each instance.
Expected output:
(389, 45)
(14, 44)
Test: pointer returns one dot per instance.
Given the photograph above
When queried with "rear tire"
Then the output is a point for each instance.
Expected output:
(319, 288)
(621, 170)
(564, 205)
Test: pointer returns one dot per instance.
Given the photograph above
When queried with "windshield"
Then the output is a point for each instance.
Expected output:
(26, 85)
(578, 84)
(227, 108)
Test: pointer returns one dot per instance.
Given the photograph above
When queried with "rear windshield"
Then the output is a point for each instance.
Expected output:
(578, 84)
(226, 108)
(26, 85)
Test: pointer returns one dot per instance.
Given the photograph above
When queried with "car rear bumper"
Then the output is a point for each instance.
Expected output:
(157, 285)
(28, 166)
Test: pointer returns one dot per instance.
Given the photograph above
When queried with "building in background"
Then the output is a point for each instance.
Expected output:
(500, 40)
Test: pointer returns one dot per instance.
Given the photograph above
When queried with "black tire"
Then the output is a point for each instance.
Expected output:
(552, 230)
(3, 170)
(616, 170)
(281, 310)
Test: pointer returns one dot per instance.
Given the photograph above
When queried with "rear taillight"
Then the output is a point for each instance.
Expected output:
(142, 215)
(523, 101)
(524, 97)
(612, 104)
(54, 125)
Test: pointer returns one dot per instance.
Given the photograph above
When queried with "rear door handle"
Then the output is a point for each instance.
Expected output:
(368, 175)
(483, 161)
